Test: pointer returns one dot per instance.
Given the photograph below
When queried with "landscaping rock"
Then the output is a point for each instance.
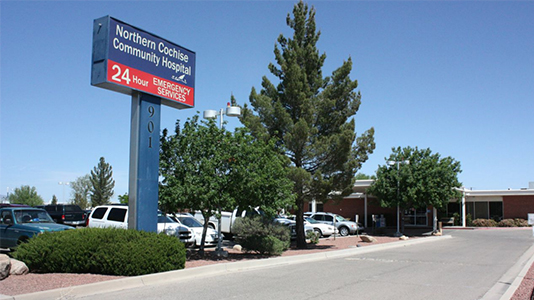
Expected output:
(18, 268)
(5, 266)
(237, 247)
(403, 238)
(367, 239)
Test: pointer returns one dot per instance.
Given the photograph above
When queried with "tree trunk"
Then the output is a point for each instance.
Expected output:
(301, 235)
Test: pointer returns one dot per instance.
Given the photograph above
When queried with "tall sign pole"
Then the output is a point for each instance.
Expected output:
(144, 162)
(154, 71)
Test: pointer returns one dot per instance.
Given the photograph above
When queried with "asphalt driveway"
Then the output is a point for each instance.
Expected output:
(464, 264)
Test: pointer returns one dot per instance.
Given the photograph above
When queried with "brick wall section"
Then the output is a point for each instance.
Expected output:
(346, 208)
(518, 206)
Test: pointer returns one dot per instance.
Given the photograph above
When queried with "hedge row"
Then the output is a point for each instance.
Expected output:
(502, 223)
(107, 251)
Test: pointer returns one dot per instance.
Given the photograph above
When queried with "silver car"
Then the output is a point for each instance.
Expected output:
(344, 226)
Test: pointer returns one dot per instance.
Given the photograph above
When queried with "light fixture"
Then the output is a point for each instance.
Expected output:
(231, 111)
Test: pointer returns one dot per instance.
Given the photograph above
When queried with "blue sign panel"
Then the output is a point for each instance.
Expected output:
(126, 59)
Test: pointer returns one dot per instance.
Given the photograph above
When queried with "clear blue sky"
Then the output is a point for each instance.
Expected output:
(456, 77)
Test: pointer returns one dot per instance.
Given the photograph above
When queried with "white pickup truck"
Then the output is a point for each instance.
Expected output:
(228, 218)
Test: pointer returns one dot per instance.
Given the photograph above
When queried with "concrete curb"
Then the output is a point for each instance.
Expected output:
(158, 278)
(524, 262)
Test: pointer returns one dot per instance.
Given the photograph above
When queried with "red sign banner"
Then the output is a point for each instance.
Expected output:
(139, 80)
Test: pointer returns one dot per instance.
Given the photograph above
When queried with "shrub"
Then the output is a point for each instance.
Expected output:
(261, 236)
(457, 219)
(264, 245)
(521, 222)
(484, 223)
(469, 220)
(507, 223)
(313, 237)
(513, 223)
(108, 251)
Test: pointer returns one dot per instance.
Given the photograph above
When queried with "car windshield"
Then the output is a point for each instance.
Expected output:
(190, 222)
(313, 221)
(340, 219)
(165, 219)
(32, 216)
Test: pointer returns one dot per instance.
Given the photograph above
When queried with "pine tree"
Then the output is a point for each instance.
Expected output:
(310, 116)
(102, 183)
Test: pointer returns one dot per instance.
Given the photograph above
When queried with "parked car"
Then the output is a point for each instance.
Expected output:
(13, 205)
(284, 220)
(197, 227)
(228, 218)
(68, 214)
(291, 224)
(324, 230)
(109, 216)
(117, 216)
(18, 224)
(171, 227)
(344, 226)
(293, 229)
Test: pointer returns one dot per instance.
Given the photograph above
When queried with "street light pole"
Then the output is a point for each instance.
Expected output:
(398, 163)
(231, 111)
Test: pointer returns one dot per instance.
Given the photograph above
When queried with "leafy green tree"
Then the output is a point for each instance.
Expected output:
(208, 169)
(123, 199)
(102, 183)
(80, 201)
(81, 189)
(361, 176)
(25, 195)
(310, 116)
(428, 180)
(54, 200)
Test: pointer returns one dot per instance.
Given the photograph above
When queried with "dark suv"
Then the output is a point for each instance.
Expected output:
(68, 214)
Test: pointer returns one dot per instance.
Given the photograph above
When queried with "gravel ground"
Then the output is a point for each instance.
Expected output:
(525, 289)
(30, 283)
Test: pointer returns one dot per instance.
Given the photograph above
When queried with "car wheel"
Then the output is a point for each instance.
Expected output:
(318, 232)
(343, 231)
(211, 226)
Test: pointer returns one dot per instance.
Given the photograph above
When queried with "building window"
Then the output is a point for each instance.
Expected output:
(485, 210)
(496, 211)
(481, 210)
(470, 209)
(415, 217)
